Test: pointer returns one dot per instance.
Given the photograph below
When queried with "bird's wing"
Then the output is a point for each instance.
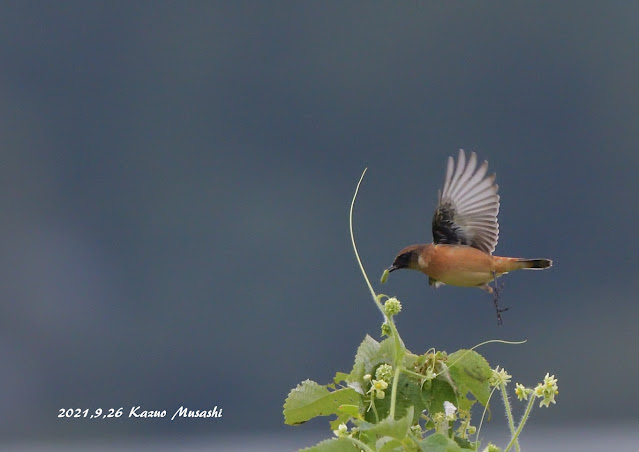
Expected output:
(468, 206)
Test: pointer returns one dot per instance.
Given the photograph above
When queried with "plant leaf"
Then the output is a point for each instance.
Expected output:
(396, 428)
(438, 442)
(471, 373)
(388, 444)
(435, 393)
(371, 354)
(333, 445)
(339, 377)
(309, 400)
(365, 353)
(351, 410)
(409, 396)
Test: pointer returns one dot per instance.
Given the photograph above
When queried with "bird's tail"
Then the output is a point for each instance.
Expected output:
(509, 264)
(534, 264)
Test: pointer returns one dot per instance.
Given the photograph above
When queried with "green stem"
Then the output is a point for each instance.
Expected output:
(359, 261)
(374, 408)
(394, 391)
(413, 374)
(521, 424)
(399, 357)
(483, 414)
(398, 344)
(360, 444)
(509, 413)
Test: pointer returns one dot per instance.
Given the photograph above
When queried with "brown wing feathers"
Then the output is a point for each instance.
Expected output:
(468, 206)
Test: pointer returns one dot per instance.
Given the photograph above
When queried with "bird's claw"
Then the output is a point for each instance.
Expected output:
(496, 290)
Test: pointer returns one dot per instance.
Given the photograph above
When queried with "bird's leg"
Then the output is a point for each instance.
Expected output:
(495, 293)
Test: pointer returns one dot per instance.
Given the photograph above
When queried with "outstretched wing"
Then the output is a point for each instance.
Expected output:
(468, 206)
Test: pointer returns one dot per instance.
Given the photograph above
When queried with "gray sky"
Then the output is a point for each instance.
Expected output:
(176, 178)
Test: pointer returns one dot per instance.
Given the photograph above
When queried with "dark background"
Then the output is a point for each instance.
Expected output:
(175, 181)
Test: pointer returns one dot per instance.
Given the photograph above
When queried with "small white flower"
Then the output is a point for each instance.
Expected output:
(341, 431)
(450, 410)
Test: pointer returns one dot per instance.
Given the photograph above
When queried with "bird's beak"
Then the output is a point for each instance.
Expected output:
(391, 268)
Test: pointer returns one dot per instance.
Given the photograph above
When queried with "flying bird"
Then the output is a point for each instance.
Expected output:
(465, 234)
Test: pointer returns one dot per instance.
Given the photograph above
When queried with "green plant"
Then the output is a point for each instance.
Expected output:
(394, 400)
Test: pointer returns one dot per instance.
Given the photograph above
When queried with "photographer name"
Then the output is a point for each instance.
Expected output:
(138, 412)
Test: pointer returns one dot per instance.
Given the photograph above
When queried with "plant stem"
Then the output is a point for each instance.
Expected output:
(359, 261)
(374, 409)
(399, 345)
(398, 359)
(521, 425)
(509, 413)
(481, 422)
(394, 391)
(414, 374)
(361, 445)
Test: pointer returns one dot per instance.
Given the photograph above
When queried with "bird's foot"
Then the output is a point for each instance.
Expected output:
(495, 292)
(499, 310)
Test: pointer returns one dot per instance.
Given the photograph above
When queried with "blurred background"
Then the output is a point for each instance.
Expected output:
(175, 182)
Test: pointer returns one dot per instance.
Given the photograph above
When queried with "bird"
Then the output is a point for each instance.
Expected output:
(465, 233)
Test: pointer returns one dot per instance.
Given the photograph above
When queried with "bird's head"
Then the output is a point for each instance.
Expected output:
(407, 258)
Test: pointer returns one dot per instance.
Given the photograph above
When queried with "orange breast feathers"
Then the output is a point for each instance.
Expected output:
(460, 265)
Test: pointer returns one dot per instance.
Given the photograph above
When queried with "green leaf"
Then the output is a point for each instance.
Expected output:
(409, 359)
(345, 414)
(365, 353)
(371, 354)
(310, 399)
(351, 410)
(333, 445)
(471, 373)
(391, 427)
(435, 393)
(465, 444)
(438, 442)
(339, 377)
(409, 396)
(388, 444)
(342, 418)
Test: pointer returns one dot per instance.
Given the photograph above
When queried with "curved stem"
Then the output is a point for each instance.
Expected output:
(398, 343)
(509, 413)
(483, 414)
(359, 261)
(521, 424)
(360, 444)
(491, 341)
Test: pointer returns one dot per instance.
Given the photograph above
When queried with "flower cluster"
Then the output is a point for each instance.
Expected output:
(465, 429)
(443, 420)
(499, 377)
(392, 306)
(522, 392)
(548, 390)
(384, 372)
